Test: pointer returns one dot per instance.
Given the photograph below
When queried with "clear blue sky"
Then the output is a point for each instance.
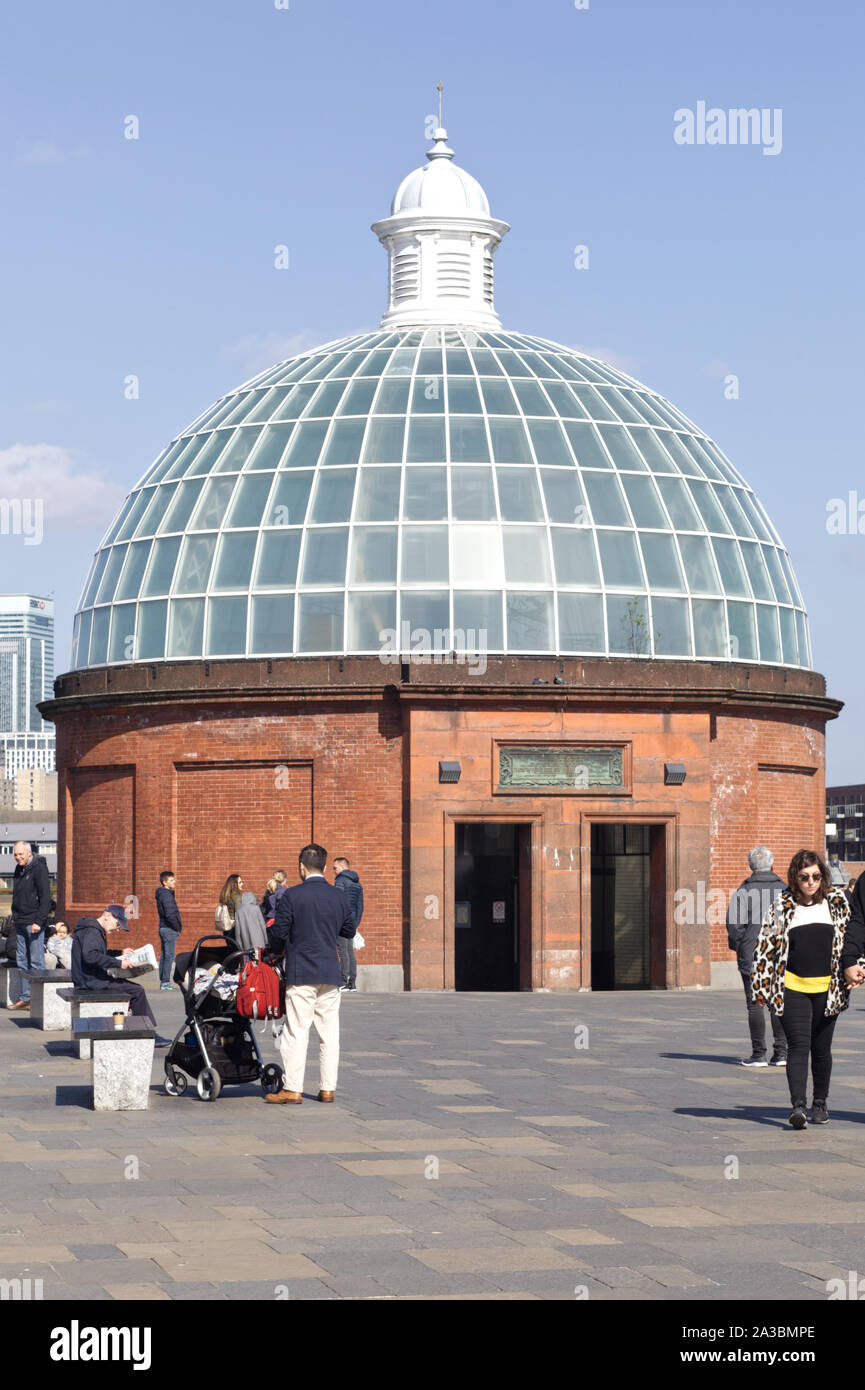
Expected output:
(261, 126)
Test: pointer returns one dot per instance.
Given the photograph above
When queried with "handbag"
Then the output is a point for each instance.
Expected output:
(358, 941)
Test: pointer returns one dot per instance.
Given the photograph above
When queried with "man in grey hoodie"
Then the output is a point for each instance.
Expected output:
(347, 881)
(748, 906)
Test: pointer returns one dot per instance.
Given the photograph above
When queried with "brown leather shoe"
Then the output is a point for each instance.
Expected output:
(284, 1098)
(325, 1096)
(20, 1004)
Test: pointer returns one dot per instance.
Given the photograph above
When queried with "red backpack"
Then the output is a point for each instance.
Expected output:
(259, 993)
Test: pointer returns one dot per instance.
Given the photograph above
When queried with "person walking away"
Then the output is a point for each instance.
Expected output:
(748, 906)
(249, 931)
(348, 882)
(58, 948)
(310, 918)
(269, 888)
(170, 925)
(273, 897)
(229, 899)
(31, 908)
(91, 963)
(798, 970)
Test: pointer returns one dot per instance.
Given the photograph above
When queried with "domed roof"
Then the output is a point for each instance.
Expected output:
(440, 187)
(441, 487)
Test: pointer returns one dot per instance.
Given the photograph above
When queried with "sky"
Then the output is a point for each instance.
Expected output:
(291, 122)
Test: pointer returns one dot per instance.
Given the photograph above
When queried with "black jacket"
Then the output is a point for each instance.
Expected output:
(349, 883)
(90, 958)
(748, 906)
(31, 893)
(166, 906)
(309, 918)
(854, 937)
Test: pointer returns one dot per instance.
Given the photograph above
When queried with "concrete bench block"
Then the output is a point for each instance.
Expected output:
(10, 984)
(48, 1010)
(98, 1006)
(121, 1063)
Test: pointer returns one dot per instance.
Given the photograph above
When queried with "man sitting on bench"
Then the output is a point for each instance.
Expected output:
(91, 963)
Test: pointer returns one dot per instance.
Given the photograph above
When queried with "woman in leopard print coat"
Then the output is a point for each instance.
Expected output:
(773, 947)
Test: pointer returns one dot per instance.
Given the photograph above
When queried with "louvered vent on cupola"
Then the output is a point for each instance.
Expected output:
(455, 274)
(489, 284)
(405, 275)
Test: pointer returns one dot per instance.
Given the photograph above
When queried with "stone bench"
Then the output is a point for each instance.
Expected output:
(90, 1004)
(10, 981)
(49, 1010)
(121, 1061)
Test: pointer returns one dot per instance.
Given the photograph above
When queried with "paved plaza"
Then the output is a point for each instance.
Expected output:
(474, 1152)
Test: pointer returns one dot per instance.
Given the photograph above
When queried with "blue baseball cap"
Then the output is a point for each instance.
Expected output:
(119, 914)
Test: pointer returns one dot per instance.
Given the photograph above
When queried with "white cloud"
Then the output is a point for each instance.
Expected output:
(610, 356)
(48, 152)
(257, 351)
(716, 368)
(49, 472)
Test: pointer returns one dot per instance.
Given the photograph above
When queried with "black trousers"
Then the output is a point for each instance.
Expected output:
(138, 1005)
(757, 1024)
(809, 1033)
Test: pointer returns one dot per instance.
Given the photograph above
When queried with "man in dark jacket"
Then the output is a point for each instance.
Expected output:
(310, 918)
(31, 908)
(170, 925)
(748, 906)
(91, 962)
(347, 882)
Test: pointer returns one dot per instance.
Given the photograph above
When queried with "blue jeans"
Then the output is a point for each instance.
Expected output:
(166, 960)
(30, 953)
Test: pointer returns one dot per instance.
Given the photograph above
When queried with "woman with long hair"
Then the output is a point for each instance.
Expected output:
(798, 970)
(229, 900)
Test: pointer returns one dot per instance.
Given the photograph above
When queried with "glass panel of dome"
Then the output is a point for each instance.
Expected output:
(426, 617)
(428, 395)
(641, 403)
(767, 631)
(185, 461)
(468, 439)
(185, 627)
(650, 446)
(606, 499)
(120, 518)
(527, 555)
(671, 626)
(277, 559)
(267, 404)
(96, 578)
(358, 398)
(249, 500)
(621, 446)
(333, 496)
(513, 365)
(581, 623)
(133, 571)
(458, 363)
(426, 440)
(375, 363)
(795, 595)
(295, 402)
(134, 515)
(234, 566)
(305, 446)
(743, 633)
(586, 444)
(486, 363)
(509, 441)
(550, 444)
(710, 636)
(384, 441)
(401, 363)
(564, 401)
(628, 625)
(83, 658)
(343, 445)
(532, 399)
(595, 406)
(272, 624)
(378, 494)
(110, 574)
(499, 398)
(121, 646)
(756, 570)
(802, 633)
(565, 366)
(373, 555)
(429, 362)
(679, 504)
(478, 618)
(620, 561)
(478, 557)
(213, 503)
(319, 370)
(519, 494)
(730, 567)
(463, 396)
(530, 622)
(246, 403)
(699, 565)
(238, 450)
(225, 409)
(729, 472)
(203, 461)
(348, 364)
(424, 555)
(685, 461)
(370, 615)
(644, 501)
(324, 556)
(729, 500)
(426, 494)
(270, 448)
(99, 636)
(472, 495)
(564, 496)
(325, 400)
(788, 636)
(710, 508)
(574, 555)
(160, 571)
(226, 626)
(621, 408)
(776, 574)
(152, 623)
(287, 506)
(193, 571)
(663, 570)
(746, 502)
(175, 449)
(707, 464)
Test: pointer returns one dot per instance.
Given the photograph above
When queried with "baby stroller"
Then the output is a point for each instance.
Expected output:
(214, 1044)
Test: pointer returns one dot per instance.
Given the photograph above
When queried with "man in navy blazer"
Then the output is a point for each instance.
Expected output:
(310, 918)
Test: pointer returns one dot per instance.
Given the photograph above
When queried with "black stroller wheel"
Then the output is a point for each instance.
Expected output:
(175, 1082)
(209, 1083)
(271, 1079)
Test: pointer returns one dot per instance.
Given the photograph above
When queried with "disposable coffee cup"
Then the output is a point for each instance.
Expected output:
(118, 1018)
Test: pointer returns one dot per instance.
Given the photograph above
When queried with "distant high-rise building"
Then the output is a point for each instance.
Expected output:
(26, 678)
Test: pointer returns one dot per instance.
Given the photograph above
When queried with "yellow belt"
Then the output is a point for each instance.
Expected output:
(806, 984)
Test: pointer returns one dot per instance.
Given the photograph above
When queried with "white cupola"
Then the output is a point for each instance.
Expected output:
(440, 240)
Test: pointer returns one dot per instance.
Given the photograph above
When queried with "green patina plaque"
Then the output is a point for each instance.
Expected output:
(582, 768)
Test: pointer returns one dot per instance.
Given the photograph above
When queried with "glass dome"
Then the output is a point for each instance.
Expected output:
(441, 487)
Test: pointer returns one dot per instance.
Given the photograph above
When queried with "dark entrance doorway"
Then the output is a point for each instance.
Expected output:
(488, 892)
(628, 906)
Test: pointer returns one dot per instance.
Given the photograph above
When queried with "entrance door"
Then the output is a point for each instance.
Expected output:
(628, 927)
(486, 908)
